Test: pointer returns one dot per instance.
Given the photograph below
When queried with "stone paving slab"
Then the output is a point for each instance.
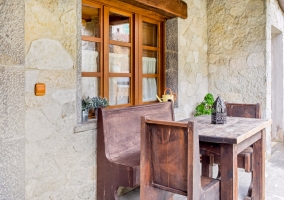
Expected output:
(274, 174)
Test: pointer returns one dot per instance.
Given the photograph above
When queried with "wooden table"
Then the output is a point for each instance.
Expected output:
(230, 139)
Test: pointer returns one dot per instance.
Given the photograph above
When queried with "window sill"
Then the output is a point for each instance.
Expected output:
(90, 125)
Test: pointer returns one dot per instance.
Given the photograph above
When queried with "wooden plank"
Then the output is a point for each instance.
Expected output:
(258, 176)
(229, 172)
(91, 39)
(169, 9)
(234, 131)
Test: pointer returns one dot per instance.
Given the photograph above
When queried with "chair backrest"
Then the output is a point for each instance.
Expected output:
(121, 128)
(243, 110)
(170, 157)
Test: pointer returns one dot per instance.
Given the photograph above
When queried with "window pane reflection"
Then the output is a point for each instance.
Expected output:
(90, 21)
(119, 90)
(90, 87)
(90, 56)
(119, 59)
(119, 27)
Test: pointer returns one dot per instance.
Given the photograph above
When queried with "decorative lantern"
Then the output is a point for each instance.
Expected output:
(219, 112)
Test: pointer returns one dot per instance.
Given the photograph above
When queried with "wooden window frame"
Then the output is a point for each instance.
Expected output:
(136, 49)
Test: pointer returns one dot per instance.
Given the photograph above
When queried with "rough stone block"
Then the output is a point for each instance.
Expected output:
(48, 54)
(12, 32)
(12, 168)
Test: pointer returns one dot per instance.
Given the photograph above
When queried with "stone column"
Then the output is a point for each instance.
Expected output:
(172, 55)
(12, 101)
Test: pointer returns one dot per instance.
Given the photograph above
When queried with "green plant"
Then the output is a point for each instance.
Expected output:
(86, 104)
(205, 107)
(99, 102)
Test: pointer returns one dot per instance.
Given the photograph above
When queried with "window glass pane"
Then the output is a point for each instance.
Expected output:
(119, 90)
(119, 60)
(90, 21)
(149, 62)
(119, 29)
(150, 37)
(90, 56)
(149, 89)
(90, 87)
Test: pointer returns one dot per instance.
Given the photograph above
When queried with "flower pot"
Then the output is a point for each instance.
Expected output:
(85, 114)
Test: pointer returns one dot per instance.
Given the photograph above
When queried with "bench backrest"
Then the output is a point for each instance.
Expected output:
(170, 157)
(243, 110)
(122, 127)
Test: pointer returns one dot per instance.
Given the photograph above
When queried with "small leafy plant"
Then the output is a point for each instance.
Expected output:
(87, 104)
(205, 107)
(99, 102)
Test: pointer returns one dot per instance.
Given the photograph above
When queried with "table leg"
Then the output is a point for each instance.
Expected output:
(258, 176)
(229, 172)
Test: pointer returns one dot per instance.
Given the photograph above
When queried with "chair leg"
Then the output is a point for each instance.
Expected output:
(207, 165)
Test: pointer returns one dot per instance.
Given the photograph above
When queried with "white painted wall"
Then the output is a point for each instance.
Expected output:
(277, 84)
(274, 18)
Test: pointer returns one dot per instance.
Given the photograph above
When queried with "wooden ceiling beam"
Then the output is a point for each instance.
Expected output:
(167, 8)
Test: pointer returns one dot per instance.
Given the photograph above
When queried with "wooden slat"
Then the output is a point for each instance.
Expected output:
(91, 74)
(234, 131)
(119, 75)
(150, 48)
(118, 43)
(91, 39)
(150, 76)
(169, 9)
(157, 9)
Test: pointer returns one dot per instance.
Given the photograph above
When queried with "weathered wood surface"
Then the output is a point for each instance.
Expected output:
(234, 131)
(118, 145)
(161, 9)
(170, 9)
(170, 162)
(243, 110)
(232, 138)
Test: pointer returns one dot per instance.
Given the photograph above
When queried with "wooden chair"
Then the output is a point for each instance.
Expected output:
(245, 157)
(118, 145)
(169, 162)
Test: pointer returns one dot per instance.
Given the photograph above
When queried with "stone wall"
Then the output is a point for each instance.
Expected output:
(12, 108)
(192, 58)
(237, 52)
(60, 164)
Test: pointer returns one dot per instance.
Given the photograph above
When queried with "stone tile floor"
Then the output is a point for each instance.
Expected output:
(274, 174)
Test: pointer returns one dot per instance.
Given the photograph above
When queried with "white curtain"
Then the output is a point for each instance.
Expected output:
(119, 86)
(149, 84)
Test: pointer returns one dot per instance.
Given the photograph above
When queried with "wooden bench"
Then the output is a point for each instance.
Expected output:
(118, 145)
(170, 162)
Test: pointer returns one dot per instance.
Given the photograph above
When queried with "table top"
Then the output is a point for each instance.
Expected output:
(236, 130)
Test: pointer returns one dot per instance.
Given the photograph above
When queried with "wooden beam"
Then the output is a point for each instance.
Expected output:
(281, 4)
(167, 8)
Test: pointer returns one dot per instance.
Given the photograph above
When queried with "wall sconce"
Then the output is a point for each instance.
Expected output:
(39, 89)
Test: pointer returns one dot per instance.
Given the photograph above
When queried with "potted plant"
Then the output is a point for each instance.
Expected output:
(86, 106)
(205, 107)
(97, 102)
